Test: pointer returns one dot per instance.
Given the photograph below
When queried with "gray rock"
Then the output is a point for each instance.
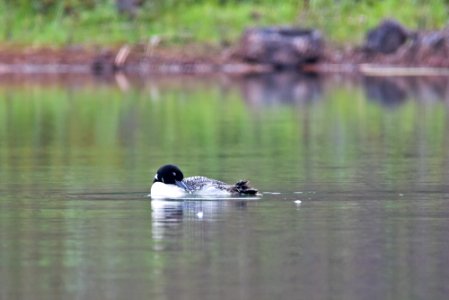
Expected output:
(282, 47)
(386, 38)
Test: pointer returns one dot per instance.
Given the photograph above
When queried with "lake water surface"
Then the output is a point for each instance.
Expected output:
(368, 159)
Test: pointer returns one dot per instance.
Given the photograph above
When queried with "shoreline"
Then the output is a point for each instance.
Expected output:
(141, 60)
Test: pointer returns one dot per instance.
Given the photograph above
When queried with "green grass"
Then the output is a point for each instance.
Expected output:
(204, 21)
(350, 20)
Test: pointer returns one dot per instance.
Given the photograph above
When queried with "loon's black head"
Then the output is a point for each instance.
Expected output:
(170, 174)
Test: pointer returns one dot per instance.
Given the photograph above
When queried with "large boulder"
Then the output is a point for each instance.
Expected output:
(282, 47)
(386, 38)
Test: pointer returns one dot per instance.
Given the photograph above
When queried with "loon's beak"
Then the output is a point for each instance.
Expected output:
(183, 185)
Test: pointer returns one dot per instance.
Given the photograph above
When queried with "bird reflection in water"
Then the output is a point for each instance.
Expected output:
(172, 218)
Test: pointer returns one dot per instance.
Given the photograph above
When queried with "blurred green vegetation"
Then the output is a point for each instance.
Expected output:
(62, 134)
(217, 22)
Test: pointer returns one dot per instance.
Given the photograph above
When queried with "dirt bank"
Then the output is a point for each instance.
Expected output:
(389, 49)
(104, 60)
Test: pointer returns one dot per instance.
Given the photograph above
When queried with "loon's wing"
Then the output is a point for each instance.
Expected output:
(242, 187)
(198, 182)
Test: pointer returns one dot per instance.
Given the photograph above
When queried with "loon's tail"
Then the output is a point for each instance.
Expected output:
(243, 188)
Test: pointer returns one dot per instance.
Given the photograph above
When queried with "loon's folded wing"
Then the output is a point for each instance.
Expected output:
(198, 182)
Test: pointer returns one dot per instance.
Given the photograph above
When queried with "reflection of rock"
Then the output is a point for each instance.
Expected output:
(386, 38)
(430, 89)
(281, 46)
(283, 87)
(391, 91)
(387, 91)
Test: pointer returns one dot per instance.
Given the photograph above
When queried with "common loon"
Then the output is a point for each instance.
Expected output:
(169, 182)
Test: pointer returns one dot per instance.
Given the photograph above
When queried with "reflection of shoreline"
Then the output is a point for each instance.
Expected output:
(276, 88)
(169, 214)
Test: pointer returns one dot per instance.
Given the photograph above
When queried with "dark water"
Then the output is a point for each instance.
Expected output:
(368, 159)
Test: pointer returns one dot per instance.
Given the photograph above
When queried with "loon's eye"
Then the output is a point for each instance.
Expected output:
(174, 174)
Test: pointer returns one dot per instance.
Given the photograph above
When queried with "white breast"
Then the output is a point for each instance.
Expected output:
(161, 190)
